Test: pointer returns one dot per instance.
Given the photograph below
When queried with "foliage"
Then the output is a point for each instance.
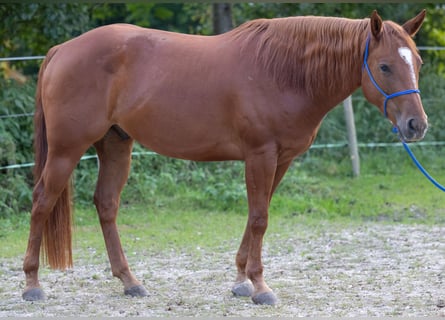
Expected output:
(30, 29)
(167, 219)
(178, 17)
(15, 145)
(220, 183)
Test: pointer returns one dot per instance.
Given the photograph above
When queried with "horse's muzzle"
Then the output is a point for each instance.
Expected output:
(414, 129)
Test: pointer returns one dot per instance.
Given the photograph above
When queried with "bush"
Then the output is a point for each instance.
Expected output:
(155, 178)
(16, 108)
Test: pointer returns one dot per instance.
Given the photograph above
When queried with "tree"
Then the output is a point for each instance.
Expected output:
(31, 28)
(222, 17)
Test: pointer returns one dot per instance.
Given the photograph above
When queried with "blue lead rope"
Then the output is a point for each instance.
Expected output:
(390, 96)
(419, 166)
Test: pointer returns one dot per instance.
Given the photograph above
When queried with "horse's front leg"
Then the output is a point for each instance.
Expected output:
(260, 174)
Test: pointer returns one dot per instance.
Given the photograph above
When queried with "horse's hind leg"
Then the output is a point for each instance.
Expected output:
(54, 179)
(114, 151)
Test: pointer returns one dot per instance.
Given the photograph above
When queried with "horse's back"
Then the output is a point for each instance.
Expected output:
(172, 92)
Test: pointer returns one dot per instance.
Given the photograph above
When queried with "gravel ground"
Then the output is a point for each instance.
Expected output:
(368, 270)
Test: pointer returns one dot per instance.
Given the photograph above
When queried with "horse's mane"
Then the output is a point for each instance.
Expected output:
(305, 52)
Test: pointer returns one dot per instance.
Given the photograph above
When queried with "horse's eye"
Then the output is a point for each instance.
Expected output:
(384, 68)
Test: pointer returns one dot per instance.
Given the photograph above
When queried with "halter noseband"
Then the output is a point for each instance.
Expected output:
(387, 96)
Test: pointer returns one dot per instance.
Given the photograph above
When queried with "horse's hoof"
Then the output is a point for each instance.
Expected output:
(268, 298)
(34, 294)
(243, 289)
(136, 291)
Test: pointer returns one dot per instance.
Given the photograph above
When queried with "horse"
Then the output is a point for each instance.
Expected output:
(257, 94)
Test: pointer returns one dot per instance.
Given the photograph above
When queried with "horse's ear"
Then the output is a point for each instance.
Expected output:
(376, 24)
(413, 25)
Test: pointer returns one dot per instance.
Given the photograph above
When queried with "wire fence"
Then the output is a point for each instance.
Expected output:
(22, 58)
(150, 153)
(314, 146)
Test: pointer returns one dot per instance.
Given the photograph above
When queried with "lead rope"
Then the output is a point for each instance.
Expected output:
(417, 163)
(394, 129)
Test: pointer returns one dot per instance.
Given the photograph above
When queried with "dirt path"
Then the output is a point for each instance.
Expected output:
(371, 270)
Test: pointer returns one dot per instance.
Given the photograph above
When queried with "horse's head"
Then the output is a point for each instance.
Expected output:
(391, 73)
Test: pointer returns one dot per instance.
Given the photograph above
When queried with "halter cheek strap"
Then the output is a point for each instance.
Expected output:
(387, 96)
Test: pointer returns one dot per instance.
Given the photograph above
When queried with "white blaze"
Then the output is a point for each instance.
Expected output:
(407, 56)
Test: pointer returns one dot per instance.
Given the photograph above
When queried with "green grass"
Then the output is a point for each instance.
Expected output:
(207, 210)
(13, 235)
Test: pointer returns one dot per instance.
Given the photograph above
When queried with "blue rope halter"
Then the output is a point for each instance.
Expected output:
(395, 130)
(387, 96)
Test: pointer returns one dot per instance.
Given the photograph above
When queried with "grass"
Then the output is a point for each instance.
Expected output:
(203, 213)
(405, 198)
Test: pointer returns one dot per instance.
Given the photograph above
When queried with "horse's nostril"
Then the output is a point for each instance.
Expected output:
(412, 124)
(415, 129)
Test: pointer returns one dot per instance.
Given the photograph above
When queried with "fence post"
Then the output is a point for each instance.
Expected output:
(352, 136)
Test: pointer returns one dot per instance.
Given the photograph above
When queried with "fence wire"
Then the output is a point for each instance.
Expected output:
(150, 153)
(314, 146)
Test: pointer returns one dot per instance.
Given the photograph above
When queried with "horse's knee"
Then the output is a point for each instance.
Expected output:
(258, 225)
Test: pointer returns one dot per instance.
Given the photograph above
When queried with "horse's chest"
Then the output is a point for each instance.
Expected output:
(295, 137)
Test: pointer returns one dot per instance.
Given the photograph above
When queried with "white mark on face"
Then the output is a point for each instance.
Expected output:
(407, 56)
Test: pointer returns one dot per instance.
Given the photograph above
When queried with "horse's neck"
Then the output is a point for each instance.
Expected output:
(338, 79)
(321, 57)
(341, 84)
(340, 75)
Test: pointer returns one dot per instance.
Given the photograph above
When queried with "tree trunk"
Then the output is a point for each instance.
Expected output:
(222, 17)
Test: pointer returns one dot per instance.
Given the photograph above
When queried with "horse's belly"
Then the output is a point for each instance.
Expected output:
(197, 152)
(191, 144)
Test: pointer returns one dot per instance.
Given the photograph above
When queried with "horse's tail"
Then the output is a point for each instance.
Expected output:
(56, 241)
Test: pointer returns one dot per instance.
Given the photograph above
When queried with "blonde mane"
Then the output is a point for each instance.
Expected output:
(305, 52)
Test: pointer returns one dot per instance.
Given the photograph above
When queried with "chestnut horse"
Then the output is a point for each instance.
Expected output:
(257, 93)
